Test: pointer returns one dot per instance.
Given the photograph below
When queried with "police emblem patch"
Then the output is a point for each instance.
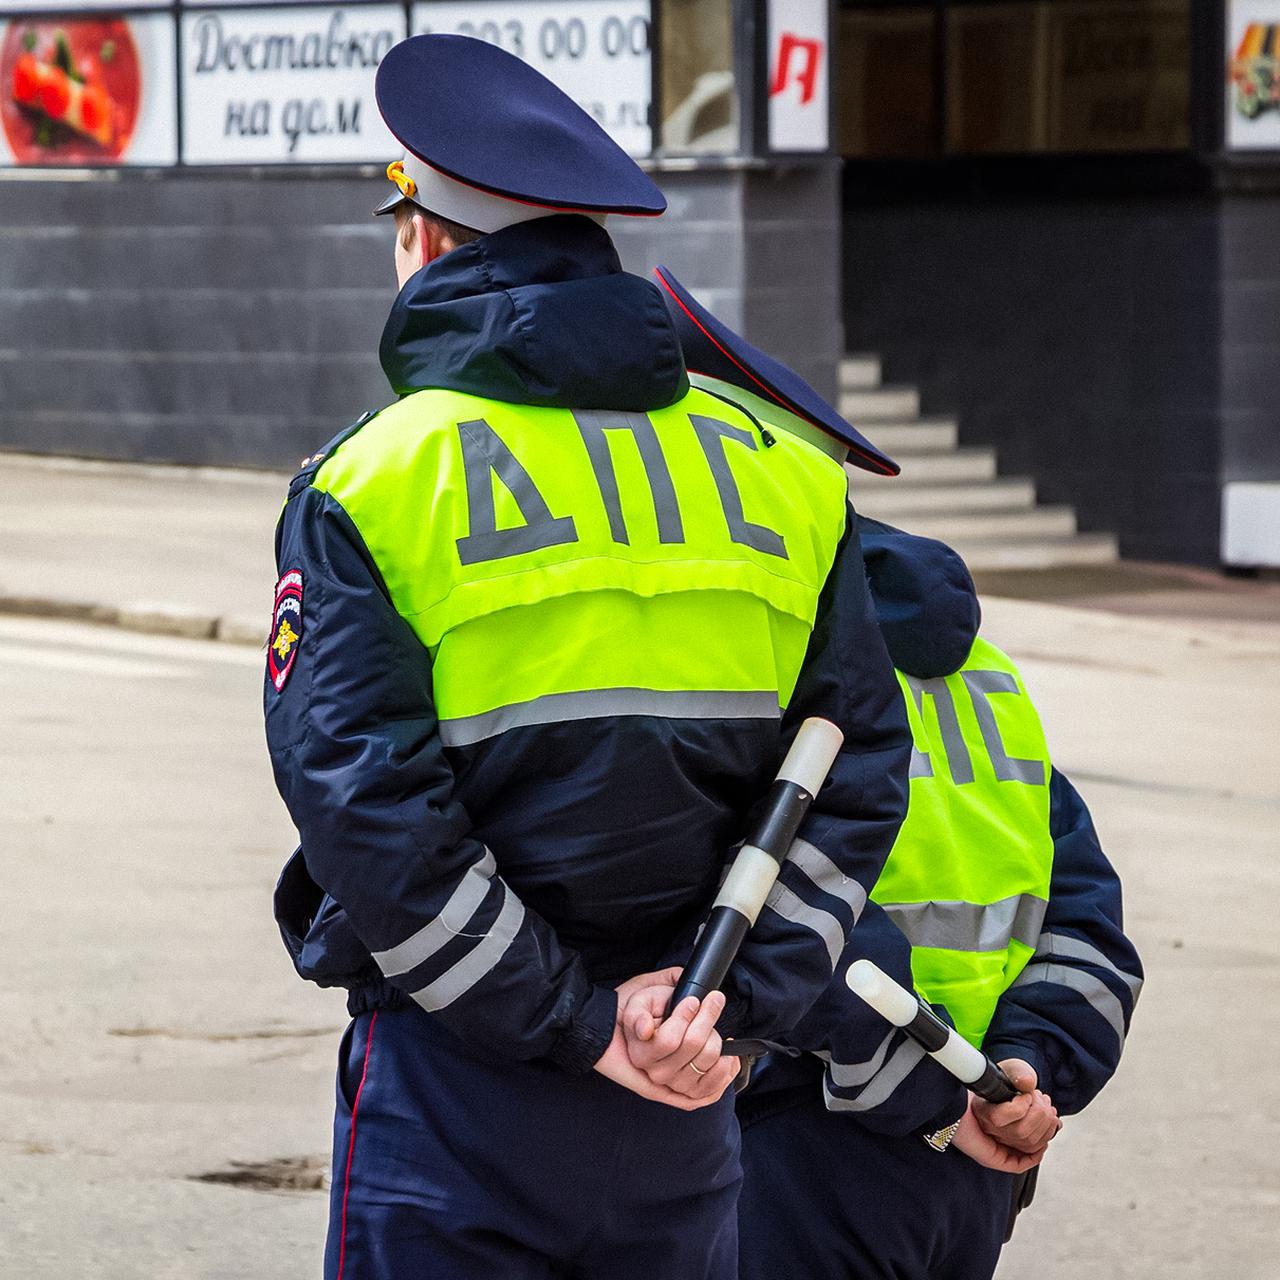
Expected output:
(286, 628)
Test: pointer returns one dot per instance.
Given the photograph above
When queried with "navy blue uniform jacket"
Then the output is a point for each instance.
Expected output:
(607, 835)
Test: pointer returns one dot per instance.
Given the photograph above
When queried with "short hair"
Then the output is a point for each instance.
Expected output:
(405, 211)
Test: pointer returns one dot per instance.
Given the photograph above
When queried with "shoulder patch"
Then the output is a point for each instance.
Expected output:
(307, 471)
(286, 628)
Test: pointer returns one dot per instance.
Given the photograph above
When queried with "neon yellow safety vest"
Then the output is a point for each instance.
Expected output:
(967, 880)
(562, 564)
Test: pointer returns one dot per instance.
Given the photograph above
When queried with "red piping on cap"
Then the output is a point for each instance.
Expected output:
(764, 386)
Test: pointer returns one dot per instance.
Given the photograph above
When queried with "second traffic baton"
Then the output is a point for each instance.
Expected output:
(969, 1065)
(906, 1010)
(756, 867)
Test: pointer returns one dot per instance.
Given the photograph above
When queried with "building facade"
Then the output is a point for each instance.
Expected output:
(1057, 218)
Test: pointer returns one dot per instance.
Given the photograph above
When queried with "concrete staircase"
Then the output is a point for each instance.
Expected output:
(951, 493)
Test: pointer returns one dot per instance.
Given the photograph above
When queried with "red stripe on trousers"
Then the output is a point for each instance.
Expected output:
(351, 1145)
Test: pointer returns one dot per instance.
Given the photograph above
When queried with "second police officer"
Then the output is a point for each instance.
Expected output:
(997, 903)
(542, 630)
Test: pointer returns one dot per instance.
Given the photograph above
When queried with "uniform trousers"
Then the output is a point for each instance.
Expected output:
(824, 1198)
(452, 1165)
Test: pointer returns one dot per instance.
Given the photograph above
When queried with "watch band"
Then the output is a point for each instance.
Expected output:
(941, 1140)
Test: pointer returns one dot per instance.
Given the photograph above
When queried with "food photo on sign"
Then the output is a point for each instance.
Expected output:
(87, 90)
(1252, 75)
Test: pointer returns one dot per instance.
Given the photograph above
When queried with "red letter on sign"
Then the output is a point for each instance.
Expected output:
(812, 52)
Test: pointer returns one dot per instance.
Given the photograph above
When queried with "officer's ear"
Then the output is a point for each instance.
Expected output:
(411, 241)
(423, 237)
(409, 227)
(434, 238)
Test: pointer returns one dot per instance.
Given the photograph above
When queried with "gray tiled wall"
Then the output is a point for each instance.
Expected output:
(761, 248)
(235, 321)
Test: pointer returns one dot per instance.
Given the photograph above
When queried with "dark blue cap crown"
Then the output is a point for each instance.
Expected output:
(481, 116)
(713, 349)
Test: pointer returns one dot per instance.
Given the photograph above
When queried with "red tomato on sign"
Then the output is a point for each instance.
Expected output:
(26, 78)
(55, 95)
(95, 107)
(35, 92)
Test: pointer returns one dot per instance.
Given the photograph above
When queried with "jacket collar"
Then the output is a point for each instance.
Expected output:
(540, 313)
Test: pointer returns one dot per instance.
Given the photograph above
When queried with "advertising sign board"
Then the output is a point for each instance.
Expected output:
(285, 85)
(1253, 75)
(597, 51)
(239, 82)
(87, 90)
(799, 75)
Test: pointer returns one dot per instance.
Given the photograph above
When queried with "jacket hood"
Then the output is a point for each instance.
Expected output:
(924, 598)
(539, 313)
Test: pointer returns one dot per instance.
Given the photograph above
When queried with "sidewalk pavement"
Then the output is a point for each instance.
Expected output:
(187, 551)
(172, 550)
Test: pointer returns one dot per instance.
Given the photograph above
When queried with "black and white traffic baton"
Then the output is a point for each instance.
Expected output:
(948, 1047)
(760, 859)
(905, 1009)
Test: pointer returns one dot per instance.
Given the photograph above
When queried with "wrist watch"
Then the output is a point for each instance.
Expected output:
(941, 1140)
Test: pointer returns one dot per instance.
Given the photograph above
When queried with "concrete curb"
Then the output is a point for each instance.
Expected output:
(149, 619)
(167, 472)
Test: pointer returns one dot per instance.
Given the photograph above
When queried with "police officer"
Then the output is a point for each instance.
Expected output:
(542, 631)
(998, 889)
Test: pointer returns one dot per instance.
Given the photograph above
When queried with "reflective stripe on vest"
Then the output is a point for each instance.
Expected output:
(565, 564)
(967, 880)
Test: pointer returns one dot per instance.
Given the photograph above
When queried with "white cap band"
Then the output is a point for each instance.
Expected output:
(470, 206)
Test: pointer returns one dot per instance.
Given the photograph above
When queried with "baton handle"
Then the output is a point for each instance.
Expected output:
(906, 1010)
(756, 867)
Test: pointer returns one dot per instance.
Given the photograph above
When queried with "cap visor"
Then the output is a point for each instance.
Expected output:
(389, 203)
(731, 357)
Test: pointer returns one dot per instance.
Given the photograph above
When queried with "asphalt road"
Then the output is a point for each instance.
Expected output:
(153, 1028)
(155, 1033)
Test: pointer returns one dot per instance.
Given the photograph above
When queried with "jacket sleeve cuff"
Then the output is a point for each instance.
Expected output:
(1000, 1050)
(583, 1043)
(948, 1115)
